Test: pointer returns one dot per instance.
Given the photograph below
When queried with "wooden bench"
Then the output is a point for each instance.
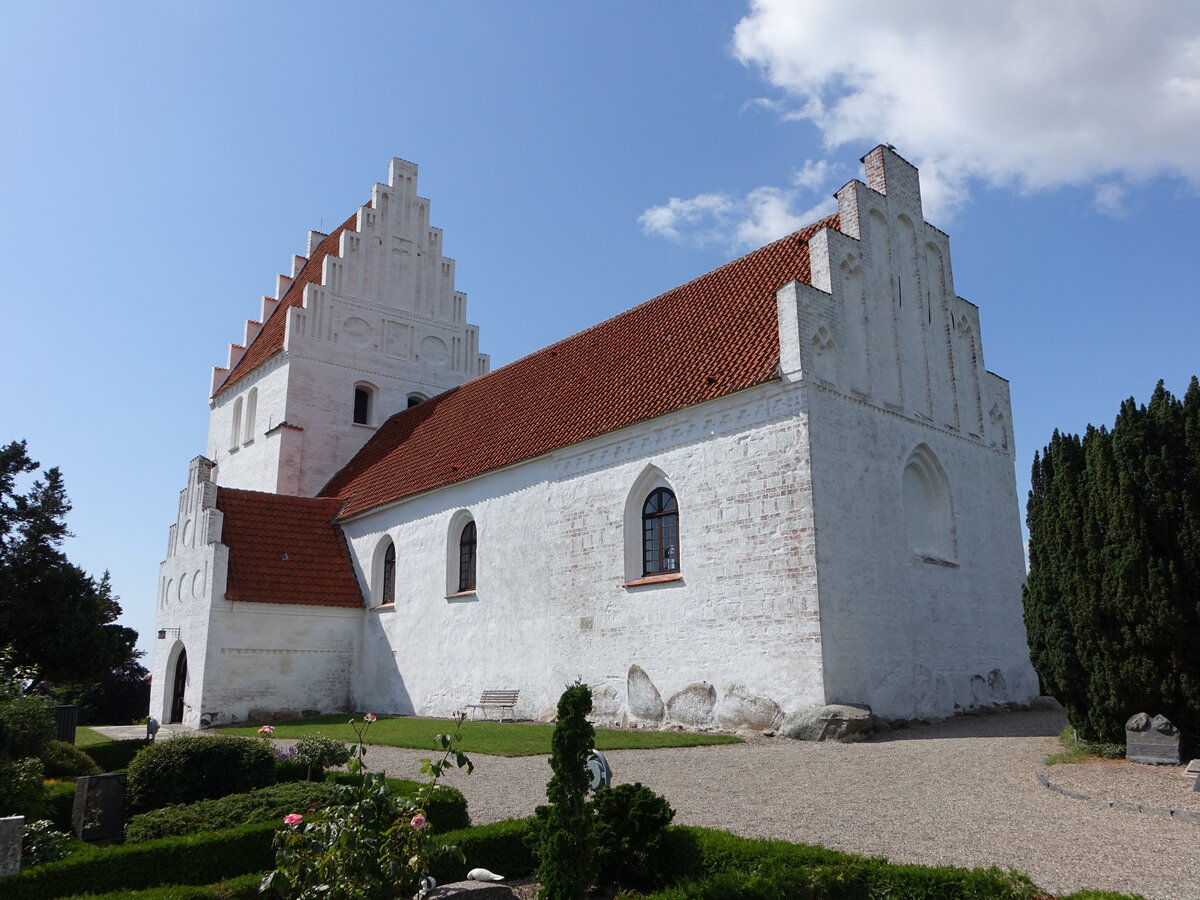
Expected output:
(500, 700)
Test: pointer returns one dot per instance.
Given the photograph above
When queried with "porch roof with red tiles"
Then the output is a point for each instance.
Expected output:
(270, 337)
(286, 550)
(713, 336)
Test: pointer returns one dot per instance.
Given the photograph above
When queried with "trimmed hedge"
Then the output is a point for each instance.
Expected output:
(499, 847)
(244, 887)
(446, 810)
(194, 859)
(188, 767)
(60, 804)
(269, 804)
(117, 755)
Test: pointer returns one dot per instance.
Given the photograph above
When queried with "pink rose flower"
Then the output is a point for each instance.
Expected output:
(369, 717)
(267, 730)
(418, 821)
(293, 819)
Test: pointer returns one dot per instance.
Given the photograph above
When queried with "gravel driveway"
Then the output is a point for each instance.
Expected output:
(961, 792)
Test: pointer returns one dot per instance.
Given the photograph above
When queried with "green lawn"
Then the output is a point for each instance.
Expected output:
(493, 738)
(85, 737)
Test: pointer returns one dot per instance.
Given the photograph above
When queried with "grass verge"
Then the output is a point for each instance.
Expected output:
(1075, 751)
(86, 737)
(492, 738)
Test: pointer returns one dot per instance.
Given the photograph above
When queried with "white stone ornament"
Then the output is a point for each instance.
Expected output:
(483, 875)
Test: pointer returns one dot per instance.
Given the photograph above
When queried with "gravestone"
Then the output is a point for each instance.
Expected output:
(12, 830)
(99, 813)
(1153, 742)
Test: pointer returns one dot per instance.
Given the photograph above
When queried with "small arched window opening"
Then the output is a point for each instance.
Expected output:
(362, 405)
(415, 400)
(384, 579)
(251, 412)
(466, 558)
(235, 431)
(660, 533)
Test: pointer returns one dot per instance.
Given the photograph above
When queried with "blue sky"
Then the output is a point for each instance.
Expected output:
(163, 161)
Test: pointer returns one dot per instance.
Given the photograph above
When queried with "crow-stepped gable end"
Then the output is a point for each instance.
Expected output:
(786, 483)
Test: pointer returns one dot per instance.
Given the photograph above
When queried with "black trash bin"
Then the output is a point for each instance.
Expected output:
(65, 720)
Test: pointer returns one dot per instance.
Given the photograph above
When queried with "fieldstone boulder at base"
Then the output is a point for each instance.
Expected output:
(693, 705)
(473, 890)
(606, 704)
(741, 709)
(645, 703)
(828, 723)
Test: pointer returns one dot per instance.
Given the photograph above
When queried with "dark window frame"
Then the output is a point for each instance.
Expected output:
(468, 542)
(660, 533)
(387, 593)
(362, 405)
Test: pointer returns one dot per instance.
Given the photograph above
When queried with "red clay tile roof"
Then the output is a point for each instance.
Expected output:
(710, 337)
(269, 339)
(286, 550)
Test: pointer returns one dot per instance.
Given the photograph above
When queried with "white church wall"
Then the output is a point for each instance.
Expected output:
(552, 602)
(251, 461)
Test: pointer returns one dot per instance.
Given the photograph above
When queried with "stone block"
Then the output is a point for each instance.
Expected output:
(645, 702)
(12, 830)
(474, 890)
(99, 812)
(741, 709)
(1150, 741)
(834, 722)
(693, 705)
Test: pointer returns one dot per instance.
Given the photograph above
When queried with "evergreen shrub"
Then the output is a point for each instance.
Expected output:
(630, 822)
(269, 804)
(1114, 568)
(63, 760)
(187, 768)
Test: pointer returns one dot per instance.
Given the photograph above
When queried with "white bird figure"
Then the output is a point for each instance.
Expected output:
(426, 885)
(483, 875)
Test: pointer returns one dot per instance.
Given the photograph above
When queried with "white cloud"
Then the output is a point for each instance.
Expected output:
(1109, 198)
(739, 223)
(1029, 93)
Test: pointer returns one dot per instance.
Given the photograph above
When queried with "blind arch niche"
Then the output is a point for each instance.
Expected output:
(928, 508)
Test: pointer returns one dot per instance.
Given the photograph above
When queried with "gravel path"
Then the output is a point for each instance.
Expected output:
(961, 792)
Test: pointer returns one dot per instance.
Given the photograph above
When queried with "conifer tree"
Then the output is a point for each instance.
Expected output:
(1112, 601)
(564, 835)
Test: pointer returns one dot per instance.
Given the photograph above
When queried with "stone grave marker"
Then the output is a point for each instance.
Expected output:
(12, 830)
(99, 813)
(1150, 741)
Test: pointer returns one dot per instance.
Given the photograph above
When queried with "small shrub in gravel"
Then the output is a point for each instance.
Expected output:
(319, 753)
(187, 768)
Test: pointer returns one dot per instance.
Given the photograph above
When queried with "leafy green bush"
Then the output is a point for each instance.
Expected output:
(269, 804)
(42, 843)
(318, 752)
(115, 756)
(21, 790)
(445, 807)
(193, 859)
(187, 768)
(630, 821)
(63, 760)
(26, 725)
(60, 803)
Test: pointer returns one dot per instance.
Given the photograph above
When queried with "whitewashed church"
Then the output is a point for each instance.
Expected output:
(786, 483)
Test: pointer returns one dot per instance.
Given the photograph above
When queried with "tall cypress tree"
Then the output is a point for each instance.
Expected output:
(1112, 601)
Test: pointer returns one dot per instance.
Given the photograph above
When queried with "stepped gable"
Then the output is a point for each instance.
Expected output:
(710, 337)
(269, 340)
(286, 550)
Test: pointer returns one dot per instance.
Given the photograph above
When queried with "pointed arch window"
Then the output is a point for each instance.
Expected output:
(387, 592)
(660, 533)
(466, 558)
(251, 413)
(235, 432)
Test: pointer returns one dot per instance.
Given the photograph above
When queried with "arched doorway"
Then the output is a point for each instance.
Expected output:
(180, 683)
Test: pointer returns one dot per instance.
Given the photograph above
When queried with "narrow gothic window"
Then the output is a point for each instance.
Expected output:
(236, 431)
(251, 412)
(660, 533)
(362, 406)
(466, 558)
(388, 594)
